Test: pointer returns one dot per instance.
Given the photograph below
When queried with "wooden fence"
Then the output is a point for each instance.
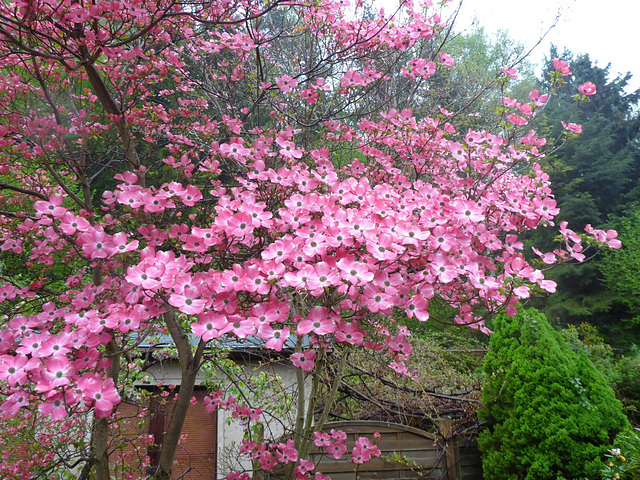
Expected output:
(407, 453)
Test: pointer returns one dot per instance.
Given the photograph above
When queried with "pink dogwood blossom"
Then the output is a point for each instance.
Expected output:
(305, 361)
(587, 88)
(572, 127)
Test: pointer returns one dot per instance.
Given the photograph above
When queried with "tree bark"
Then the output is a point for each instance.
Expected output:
(100, 437)
(305, 422)
(110, 107)
(190, 364)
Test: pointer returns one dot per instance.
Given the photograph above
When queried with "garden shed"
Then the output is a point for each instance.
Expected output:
(211, 439)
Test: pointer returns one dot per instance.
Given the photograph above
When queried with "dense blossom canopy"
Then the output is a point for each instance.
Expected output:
(170, 167)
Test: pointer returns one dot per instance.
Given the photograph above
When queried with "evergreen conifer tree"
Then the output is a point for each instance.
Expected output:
(550, 412)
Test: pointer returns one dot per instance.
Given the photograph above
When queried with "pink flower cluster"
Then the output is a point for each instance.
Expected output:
(525, 110)
(561, 66)
(333, 442)
(349, 242)
(364, 450)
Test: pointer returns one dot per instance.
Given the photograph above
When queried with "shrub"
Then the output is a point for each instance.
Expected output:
(624, 461)
(550, 412)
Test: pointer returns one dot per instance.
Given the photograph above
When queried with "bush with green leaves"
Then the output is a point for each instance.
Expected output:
(623, 462)
(550, 413)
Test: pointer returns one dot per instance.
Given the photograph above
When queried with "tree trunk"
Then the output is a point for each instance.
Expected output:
(305, 422)
(190, 364)
(100, 437)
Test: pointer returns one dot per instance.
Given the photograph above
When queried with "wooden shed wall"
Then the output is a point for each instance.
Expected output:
(422, 455)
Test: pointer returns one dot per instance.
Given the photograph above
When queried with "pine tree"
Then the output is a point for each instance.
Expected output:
(595, 176)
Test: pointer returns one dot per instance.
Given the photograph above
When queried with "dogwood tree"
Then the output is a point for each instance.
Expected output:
(234, 169)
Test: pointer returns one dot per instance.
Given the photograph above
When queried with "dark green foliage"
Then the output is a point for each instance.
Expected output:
(621, 271)
(550, 412)
(622, 371)
(585, 338)
(621, 268)
(596, 174)
(628, 387)
(593, 177)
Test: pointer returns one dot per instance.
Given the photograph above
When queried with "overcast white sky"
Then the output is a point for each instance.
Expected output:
(608, 30)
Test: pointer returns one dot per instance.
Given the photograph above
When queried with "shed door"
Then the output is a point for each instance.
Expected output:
(196, 455)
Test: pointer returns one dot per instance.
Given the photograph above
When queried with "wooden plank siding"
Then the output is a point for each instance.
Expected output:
(423, 455)
(469, 463)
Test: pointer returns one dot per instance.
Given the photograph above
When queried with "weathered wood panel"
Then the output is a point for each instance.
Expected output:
(422, 456)
(468, 459)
